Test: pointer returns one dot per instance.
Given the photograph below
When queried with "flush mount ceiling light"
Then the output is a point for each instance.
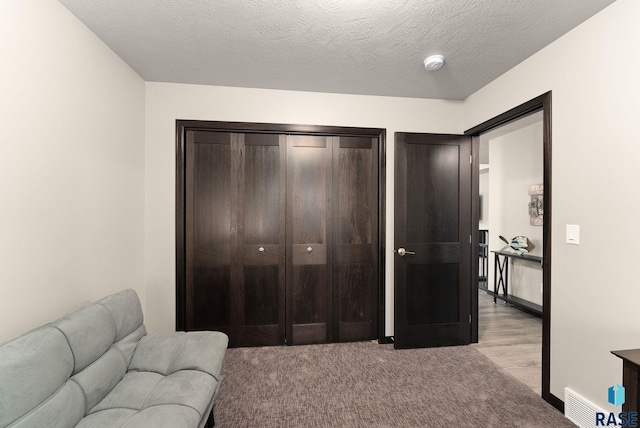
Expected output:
(434, 62)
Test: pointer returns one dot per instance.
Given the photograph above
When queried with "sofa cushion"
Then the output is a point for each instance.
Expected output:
(64, 409)
(101, 377)
(187, 387)
(170, 415)
(33, 368)
(128, 344)
(173, 416)
(142, 390)
(108, 418)
(131, 392)
(125, 310)
(90, 332)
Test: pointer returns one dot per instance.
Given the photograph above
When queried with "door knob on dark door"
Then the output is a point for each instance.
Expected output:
(402, 252)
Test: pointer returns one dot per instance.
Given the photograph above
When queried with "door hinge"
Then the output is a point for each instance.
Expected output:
(469, 318)
(470, 159)
(470, 242)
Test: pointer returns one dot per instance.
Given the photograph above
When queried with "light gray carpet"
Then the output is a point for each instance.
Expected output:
(369, 385)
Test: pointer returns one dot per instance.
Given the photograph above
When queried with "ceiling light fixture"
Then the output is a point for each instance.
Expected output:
(434, 62)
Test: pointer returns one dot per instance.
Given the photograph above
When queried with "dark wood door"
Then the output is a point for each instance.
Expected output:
(355, 273)
(309, 239)
(281, 236)
(235, 264)
(432, 240)
(210, 247)
(260, 297)
(332, 221)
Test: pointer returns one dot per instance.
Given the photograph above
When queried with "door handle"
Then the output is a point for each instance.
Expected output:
(402, 252)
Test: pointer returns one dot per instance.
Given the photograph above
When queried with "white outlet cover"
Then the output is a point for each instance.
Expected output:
(573, 234)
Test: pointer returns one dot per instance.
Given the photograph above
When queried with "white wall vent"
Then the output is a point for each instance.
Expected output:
(579, 410)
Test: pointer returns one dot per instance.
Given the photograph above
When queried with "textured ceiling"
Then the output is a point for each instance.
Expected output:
(372, 47)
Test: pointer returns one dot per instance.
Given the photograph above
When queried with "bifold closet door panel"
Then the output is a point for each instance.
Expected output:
(309, 273)
(210, 220)
(261, 238)
(355, 164)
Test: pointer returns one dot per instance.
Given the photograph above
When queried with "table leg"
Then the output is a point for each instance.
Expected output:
(630, 375)
(500, 276)
(495, 277)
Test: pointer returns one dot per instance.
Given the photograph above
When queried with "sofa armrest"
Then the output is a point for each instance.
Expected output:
(168, 353)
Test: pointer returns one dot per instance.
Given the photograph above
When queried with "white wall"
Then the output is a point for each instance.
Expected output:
(71, 167)
(483, 187)
(168, 102)
(515, 159)
(593, 73)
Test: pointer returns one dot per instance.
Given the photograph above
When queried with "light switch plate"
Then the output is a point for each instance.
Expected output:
(573, 234)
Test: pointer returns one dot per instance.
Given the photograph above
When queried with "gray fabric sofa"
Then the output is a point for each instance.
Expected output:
(97, 368)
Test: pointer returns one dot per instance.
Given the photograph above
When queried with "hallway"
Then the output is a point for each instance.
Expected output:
(512, 339)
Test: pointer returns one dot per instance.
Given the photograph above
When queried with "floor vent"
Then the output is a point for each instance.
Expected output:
(579, 410)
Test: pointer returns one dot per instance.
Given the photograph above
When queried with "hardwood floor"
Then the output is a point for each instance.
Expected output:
(512, 339)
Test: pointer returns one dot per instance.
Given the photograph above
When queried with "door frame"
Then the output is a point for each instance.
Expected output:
(182, 126)
(540, 103)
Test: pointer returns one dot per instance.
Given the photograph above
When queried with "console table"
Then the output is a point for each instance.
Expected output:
(483, 253)
(501, 280)
(630, 376)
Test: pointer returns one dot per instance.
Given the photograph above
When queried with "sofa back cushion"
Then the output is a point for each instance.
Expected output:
(34, 370)
(90, 332)
(94, 333)
(125, 310)
(126, 313)
(60, 371)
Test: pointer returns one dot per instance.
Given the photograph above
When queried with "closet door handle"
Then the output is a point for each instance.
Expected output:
(402, 252)
(309, 250)
(261, 249)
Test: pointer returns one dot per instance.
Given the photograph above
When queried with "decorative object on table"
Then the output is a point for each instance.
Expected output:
(536, 206)
(519, 244)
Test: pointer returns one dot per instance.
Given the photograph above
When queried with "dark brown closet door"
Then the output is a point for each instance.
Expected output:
(261, 237)
(309, 240)
(210, 218)
(234, 223)
(355, 227)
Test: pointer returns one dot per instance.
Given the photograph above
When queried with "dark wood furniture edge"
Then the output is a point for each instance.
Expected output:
(631, 355)
(475, 234)
(556, 402)
(181, 280)
(382, 221)
(528, 257)
(525, 305)
(630, 377)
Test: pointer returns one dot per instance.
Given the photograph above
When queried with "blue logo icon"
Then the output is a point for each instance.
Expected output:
(616, 395)
(622, 419)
